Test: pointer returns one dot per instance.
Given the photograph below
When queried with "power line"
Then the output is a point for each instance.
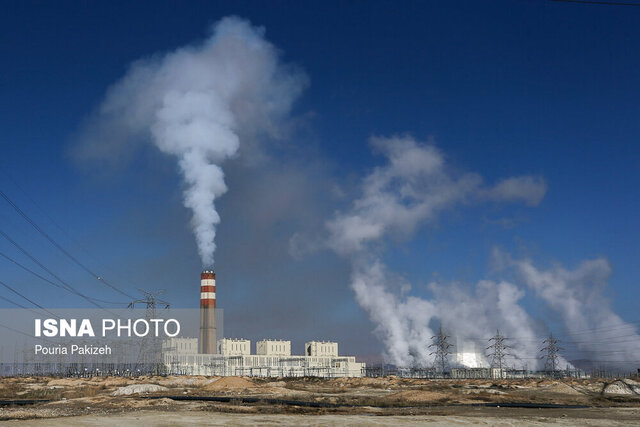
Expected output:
(54, 222)
(27, 269)
(44, 212)
(630, 324)
(108, 302)
(25, 298)
(601, 352)
(23, 333)
(14, 303)
(605, 328)
(67, 286)
(18, 304)
(21, 306)
(616, 3)
(58, 246)
(607, 340)
(30, 271)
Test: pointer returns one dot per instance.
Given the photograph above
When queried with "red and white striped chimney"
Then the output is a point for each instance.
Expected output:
(208, 332)
(208, 289)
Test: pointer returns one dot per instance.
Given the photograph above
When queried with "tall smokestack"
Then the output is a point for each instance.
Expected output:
(207, 343)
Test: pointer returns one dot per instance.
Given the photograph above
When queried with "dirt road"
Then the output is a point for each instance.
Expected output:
(448, 417)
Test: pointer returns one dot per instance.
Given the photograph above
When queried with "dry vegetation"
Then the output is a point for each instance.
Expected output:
(377, 396)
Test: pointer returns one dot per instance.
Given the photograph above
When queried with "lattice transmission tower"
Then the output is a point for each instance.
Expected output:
(150, 301)
(499, 350)
(442, 352)
(551, 355)
(150, 347)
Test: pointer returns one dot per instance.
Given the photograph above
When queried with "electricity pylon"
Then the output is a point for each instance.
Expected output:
(151, 301)
(551, 356)
(442, 350)
(499, 350)
(149, 350)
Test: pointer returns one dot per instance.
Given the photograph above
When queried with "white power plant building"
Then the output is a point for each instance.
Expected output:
(234, 347)
(274, 359)
(231, 356)
(273, 348)
(321, 348)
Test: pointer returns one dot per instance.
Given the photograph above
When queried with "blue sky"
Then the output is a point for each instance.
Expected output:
(503, 88)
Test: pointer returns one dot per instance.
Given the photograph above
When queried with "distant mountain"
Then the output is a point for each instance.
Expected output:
(591, 366)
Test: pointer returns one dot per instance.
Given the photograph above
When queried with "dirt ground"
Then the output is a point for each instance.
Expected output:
(313, 401)
(484, 417)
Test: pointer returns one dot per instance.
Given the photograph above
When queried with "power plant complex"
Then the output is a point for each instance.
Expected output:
(201, 351)
(208, 355)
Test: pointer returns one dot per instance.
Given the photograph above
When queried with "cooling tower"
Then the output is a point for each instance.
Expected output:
(207, 343)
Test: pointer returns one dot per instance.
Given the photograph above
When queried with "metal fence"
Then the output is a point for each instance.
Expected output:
(473, 373)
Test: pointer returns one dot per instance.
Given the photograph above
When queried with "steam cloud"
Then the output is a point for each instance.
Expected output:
(577, 297)
(198, 103)
(413, 188)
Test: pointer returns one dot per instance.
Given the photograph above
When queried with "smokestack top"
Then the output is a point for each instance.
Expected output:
(208, 274)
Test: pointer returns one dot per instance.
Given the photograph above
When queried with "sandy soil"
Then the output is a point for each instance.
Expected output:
(493, 417)
(357, 401)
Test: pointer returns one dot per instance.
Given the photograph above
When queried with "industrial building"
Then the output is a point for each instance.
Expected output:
(234, 347)
(273, 348)
(232, 356)
(273, 359)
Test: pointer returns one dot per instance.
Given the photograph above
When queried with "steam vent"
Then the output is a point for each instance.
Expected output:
(207, 343)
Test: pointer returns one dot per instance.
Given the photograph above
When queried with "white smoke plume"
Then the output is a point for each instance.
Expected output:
(411, 189)
(476, 313)
(577, 296)
(529, 189)
(470, 314)
(402, 323)
(199, 103)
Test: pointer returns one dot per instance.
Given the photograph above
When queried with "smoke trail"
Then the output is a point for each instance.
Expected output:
(577, 296)
(474, 313)
(198, 103)
(401, 324)
(411, 189)
(471, 315)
